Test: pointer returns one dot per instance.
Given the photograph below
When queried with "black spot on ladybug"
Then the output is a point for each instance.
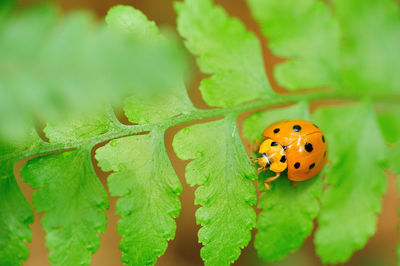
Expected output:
(315, 126)
(274, 143)
(308, 147)
(276, 130)
(297, 165)
(284, 148)
(324, 154)
(296, 128)
(311, 166)
(323, 139)
(283, 159)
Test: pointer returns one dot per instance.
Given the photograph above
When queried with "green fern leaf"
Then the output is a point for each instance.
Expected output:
(16, 213)
(356, 181)
(74, 201)
(394, 155)
(305, 32)
(15, 216)
(132, 22)
(316, 42)
(225, 49)
(371, 36)
(81, 127)
(287, 217)
(69, 192)
(221, 168)
(159, 107)
(389, 122)
(144, 177)
(148, 186)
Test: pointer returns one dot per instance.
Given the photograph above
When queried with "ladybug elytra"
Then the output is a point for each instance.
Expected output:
(296, 145)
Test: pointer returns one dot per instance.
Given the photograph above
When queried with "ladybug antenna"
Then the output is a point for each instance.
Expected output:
(266, 157)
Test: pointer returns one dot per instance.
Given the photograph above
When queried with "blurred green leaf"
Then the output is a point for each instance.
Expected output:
(370, 31)
(144, 110)
(221, 168)
(80, 126)
(75, 63)
(356, 181)
(148, 188)
(5, 7)
(394, 163)
(226, 50)
(389, 122)
(172, 99)
(304, 32)
(74, 201)
(5, 4)
(10, 151)
(356, 49)
(164, 46)
(131, 21)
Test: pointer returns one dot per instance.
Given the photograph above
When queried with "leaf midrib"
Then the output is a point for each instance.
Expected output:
(121, 130)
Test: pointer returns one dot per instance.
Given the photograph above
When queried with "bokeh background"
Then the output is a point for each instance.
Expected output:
(184, 249)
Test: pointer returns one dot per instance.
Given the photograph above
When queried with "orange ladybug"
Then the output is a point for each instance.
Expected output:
(296, 145)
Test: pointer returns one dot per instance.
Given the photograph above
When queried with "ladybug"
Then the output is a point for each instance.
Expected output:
(296, 145)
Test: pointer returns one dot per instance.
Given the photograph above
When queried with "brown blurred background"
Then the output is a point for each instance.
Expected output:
(184, 249)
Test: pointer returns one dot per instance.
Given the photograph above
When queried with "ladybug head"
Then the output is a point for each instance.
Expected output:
(273, 155)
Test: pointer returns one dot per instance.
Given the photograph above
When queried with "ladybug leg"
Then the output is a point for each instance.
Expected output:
(269, 180)
(260, 169)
